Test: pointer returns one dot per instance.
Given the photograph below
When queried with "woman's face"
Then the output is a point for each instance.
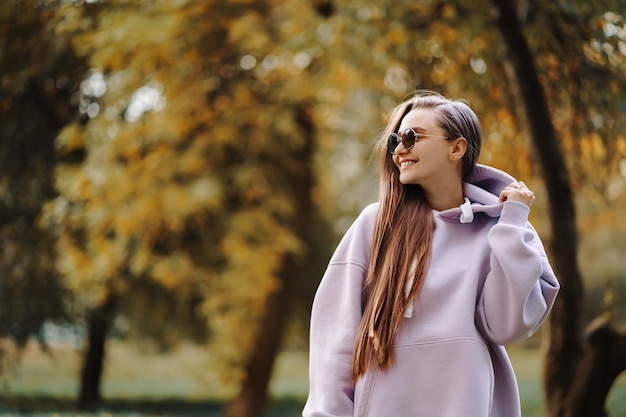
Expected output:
(429, 158)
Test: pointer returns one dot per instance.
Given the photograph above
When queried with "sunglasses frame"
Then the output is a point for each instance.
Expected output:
(403, 138)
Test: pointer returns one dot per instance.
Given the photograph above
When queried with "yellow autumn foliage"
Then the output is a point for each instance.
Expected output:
(194, 193)
(69, 139)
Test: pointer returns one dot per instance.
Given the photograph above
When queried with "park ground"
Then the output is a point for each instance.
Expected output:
(141, 382)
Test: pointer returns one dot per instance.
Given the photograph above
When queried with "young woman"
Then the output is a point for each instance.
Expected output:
(429, 284)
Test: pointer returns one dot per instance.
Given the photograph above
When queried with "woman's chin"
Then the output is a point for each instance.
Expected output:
(407, 180)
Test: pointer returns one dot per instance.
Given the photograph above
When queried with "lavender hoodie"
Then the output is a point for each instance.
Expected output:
(489, 284)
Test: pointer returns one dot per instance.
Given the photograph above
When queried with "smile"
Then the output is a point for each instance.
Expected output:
(407, 163)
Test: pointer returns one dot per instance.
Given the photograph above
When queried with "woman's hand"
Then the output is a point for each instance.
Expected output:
(517, 192)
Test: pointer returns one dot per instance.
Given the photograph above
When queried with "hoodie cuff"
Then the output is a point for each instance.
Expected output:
(514, 213)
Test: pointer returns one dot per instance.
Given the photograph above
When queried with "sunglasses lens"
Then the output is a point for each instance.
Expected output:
(392, 143)
(408, 138)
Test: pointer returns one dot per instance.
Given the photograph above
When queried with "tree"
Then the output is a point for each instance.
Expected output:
(564, 347)
(251, 399)
(37, 78)
(194, 174)
(571, 382)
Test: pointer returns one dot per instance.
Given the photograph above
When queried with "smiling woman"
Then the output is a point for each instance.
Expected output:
(430, 282)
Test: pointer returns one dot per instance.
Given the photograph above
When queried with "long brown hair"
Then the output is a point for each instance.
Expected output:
(404, 227)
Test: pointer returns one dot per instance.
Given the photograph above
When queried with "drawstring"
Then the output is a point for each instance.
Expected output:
(408, 313)
(467, 215)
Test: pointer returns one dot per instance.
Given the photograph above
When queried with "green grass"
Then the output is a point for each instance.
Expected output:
(144, 383)
(139, 383)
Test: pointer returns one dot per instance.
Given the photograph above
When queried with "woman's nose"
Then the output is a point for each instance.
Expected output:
(400, 148)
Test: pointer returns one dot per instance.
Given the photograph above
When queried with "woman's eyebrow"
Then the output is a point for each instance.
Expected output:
(418, 129)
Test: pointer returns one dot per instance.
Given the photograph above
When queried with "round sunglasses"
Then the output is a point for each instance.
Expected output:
(407, 137)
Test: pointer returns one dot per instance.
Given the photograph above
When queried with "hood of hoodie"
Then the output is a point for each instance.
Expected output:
(481, 190)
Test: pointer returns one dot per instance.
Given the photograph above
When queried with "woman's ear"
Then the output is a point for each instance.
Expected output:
(458, 147)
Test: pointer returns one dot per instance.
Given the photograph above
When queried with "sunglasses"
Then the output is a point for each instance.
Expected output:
(407, 137)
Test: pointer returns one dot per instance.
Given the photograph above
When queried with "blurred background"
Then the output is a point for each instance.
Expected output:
(175, 174)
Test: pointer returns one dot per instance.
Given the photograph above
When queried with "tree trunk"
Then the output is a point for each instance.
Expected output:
(564, 339)
(252, 398)
(603, 360)
(98, 325)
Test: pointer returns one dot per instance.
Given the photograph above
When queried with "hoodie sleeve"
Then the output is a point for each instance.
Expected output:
(335, 318)
(521, 287)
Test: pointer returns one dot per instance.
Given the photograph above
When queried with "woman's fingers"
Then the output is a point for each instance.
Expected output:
(517, 192)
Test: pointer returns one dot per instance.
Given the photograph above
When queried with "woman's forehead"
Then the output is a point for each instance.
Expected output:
(420, 117)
